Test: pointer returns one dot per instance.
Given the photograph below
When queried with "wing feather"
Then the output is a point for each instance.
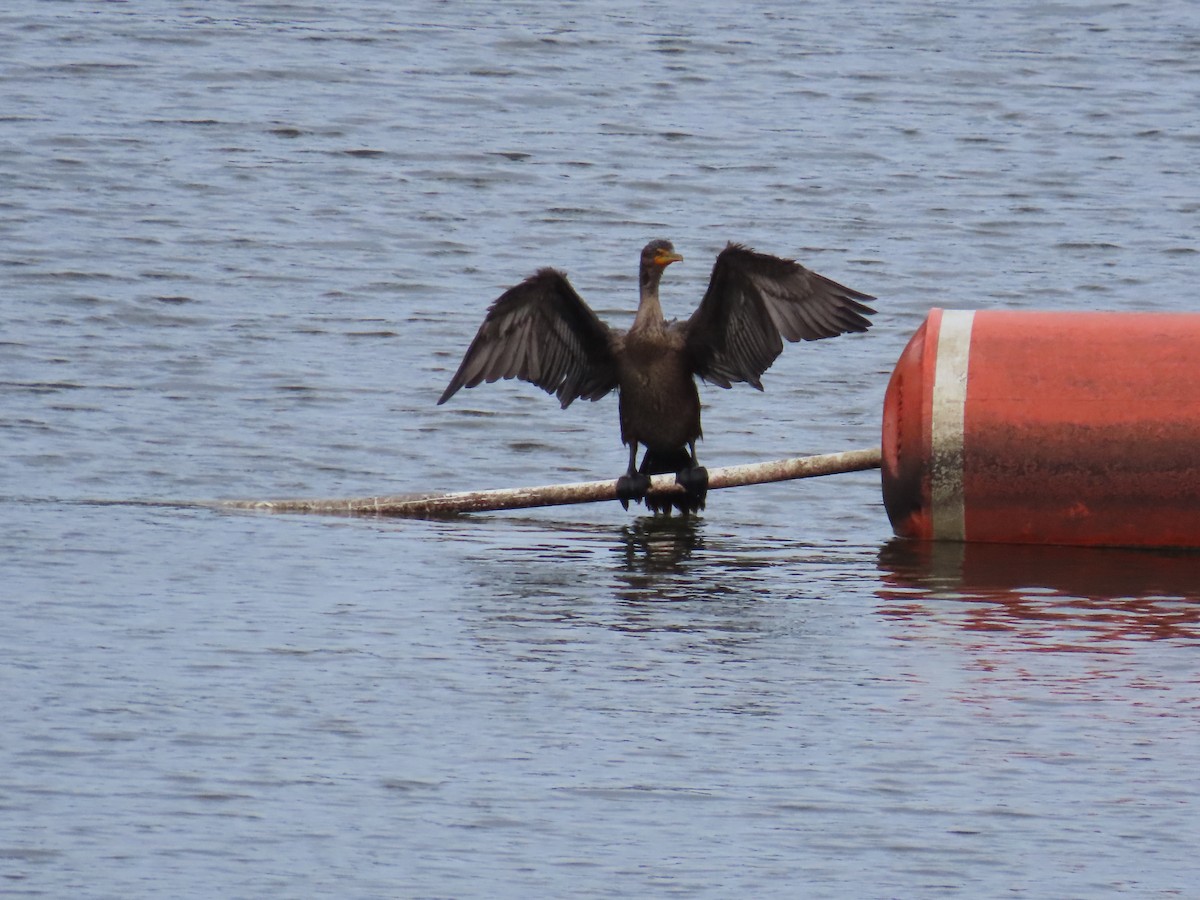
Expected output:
(541, 331)
(753, 302)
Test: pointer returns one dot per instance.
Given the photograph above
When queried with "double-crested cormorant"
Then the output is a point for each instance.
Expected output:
(542, 332)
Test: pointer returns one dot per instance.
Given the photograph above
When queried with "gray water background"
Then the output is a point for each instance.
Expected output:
(242, 247)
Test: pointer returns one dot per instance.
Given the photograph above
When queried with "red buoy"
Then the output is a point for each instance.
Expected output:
(1042, 427)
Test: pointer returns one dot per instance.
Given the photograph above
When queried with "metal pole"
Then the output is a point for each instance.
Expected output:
(418, 505)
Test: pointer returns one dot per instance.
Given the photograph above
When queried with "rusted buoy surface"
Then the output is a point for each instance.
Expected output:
(1044, 427)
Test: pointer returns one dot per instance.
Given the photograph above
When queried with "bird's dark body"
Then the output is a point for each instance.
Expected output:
(658, 401)
(541, 331)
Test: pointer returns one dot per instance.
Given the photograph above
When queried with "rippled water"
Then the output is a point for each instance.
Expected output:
(243, 246)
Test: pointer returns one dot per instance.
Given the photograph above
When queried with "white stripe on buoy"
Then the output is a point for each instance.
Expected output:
(946, 425)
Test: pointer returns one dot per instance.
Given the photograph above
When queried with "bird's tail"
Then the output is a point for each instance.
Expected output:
(665, 462)
(668, 462)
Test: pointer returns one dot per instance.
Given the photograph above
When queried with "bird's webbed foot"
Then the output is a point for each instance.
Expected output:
(632, 486)
(694, 481)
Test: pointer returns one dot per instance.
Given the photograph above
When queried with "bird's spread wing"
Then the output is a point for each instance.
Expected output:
(752, 300)
(542, 332)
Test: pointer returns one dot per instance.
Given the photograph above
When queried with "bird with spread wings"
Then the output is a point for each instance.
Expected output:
(541, 331)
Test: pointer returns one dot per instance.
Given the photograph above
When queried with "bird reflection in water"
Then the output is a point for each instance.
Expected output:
(669, 560)
(660, 544)
(549, 593)
(1104, 593)
(672, 580)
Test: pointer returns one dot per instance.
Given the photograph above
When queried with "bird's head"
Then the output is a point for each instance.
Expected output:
(656, 256)
(659, 254)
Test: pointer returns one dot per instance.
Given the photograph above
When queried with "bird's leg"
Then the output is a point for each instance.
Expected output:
(632, 485)
(694, 480)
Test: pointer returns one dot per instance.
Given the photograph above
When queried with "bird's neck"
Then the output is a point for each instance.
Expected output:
(649, 315)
